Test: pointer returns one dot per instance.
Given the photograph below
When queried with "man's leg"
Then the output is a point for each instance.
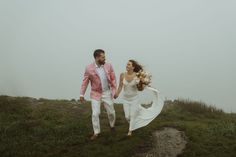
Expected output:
(110, 113)
(96, 109)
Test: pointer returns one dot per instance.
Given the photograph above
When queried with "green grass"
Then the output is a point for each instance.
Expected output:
(43, 128)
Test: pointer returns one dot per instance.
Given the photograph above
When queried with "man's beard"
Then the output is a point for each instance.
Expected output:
(101, 62)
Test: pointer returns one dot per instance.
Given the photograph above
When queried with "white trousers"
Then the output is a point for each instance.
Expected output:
(107, 101)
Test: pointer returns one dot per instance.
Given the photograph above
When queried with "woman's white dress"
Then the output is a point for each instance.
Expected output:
(135, 112)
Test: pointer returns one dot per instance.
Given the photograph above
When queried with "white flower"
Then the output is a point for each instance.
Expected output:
(137, 80)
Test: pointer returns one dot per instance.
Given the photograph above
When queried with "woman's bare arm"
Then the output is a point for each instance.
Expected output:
(120, 85)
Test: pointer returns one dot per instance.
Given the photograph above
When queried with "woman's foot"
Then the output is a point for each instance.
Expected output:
(129, 134)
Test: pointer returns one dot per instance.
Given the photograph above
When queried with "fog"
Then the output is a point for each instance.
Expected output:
(188, 46)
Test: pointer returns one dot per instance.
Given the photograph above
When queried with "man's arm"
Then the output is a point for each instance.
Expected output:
(84, 85)
(113, 80)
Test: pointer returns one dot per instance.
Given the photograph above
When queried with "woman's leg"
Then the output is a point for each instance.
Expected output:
(126, 108)
(133, 115)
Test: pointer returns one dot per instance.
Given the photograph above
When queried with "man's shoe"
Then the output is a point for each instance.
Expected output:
(113, 129)
(94, 137)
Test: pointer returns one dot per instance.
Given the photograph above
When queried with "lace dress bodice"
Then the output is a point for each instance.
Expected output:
(130, 88)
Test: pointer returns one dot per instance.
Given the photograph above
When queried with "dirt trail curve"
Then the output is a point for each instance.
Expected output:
(168, 142)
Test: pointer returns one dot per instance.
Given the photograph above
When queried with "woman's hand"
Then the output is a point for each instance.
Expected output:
(142, 79)
(140, 86)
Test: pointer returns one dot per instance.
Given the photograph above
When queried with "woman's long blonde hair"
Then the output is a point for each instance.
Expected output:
(136, 65)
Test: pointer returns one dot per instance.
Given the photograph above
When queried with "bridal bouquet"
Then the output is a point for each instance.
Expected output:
(144, 79)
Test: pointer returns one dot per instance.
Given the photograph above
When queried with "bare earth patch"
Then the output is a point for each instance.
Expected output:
(168, 142)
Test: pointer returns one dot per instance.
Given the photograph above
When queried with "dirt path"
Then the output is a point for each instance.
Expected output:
(168, 142)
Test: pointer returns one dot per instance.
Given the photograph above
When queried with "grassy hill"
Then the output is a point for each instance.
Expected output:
(46, 128)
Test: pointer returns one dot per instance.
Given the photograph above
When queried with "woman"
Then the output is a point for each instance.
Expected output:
(135, 113)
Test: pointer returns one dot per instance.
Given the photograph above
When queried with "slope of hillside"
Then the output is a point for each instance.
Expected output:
(40, 127)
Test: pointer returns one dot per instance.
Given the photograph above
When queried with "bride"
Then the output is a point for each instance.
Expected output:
(133, 85)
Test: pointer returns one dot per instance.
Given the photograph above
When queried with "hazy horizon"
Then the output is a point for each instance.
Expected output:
(189, 46)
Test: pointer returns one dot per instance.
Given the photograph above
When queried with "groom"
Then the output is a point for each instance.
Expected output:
(103, 87)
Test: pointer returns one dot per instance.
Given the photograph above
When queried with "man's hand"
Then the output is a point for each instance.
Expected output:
(82, 100)
(115, 96)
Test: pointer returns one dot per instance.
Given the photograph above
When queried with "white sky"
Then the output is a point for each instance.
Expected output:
(188, 45)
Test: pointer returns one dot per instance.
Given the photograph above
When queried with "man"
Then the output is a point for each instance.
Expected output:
(103, 87)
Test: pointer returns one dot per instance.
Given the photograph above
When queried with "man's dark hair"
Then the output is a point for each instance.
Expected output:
(98, 52)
